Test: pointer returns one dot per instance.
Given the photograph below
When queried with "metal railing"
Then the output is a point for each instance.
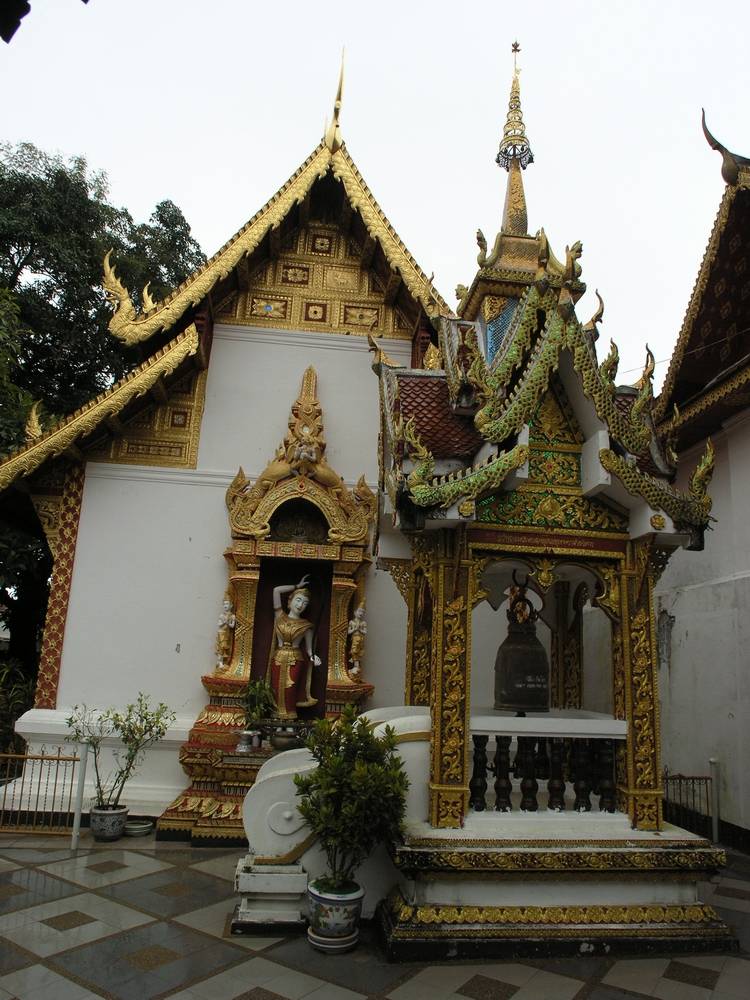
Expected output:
(691, 801)
(39, 792)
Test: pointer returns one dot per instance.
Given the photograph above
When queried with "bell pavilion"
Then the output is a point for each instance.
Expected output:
(476, 514)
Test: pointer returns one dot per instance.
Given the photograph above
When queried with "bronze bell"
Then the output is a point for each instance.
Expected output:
(521, 665)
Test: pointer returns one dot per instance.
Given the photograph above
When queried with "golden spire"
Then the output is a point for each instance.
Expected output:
(333, 131)
(515, 155)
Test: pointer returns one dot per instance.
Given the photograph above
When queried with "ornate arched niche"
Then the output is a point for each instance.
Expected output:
(297, 518)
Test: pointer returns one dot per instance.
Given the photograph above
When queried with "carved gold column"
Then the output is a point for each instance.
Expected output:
(342, 589)
(566, 660)
(450, 701)
(244, 574)
(642, 767)
(402, 573)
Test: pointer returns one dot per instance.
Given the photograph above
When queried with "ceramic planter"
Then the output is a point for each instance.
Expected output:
(334, 918)
(107, 824)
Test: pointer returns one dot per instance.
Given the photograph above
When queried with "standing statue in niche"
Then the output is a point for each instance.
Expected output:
(225, 635)
(358, 631)
(291, 658)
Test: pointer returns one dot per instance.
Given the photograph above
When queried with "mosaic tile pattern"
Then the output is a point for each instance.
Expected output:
(151, 923)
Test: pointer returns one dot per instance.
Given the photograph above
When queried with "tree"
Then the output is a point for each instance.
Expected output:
(56, 224)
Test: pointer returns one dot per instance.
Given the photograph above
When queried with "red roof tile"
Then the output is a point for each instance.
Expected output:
(445, 433)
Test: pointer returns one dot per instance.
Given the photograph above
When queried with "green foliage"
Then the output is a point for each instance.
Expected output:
(355, 799)
(16, 697)
(135, 730)
(56, 224)
(15, 401)
(259, 702)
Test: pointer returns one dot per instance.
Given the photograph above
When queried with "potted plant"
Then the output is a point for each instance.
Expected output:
(259, 705)
(352, 801)
(136, 729)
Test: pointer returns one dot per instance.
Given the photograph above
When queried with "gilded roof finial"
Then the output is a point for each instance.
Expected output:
(515, 155)
(333, 132)
(515, 144)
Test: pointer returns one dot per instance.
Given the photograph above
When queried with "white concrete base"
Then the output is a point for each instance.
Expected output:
(270, 894)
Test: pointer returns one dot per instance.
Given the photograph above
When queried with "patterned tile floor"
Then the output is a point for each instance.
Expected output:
(144, 920)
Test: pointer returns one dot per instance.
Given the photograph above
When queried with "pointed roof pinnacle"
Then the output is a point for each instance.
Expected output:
(333, 139)
(515, 144)
(515, 155)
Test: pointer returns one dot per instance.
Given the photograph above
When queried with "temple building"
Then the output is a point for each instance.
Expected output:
(425, 494)
(703, 597)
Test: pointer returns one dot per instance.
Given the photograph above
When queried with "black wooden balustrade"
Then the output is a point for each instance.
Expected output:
(587, 764)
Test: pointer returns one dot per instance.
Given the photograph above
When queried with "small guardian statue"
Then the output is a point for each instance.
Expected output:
(225, 635)
(358, 631)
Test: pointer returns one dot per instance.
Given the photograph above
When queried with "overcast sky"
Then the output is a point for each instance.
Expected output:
(215, 104)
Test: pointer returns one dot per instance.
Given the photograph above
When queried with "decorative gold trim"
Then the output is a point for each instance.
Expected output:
(50, 658)
(132, 328)
(300, 470)
(285, 859)
(532, 529)
(108, 404)
(598, 920)
(439, 841)
(694, 305)
(163, 435)
(562, 860)
(705, 402)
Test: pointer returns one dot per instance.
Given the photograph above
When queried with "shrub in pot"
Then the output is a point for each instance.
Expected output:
(352, 801)
(135, 730)
(260, 706)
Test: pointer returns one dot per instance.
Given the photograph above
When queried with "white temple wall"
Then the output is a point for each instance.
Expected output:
(705, 677)
(149, 573)
(255, 376)
(148, 580)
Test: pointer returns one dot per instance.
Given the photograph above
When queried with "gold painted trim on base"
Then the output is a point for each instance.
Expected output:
(293, 855)
(550, 918)
(484, 861)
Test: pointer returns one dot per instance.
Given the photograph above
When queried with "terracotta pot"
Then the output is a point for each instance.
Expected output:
(107, 824)
(334, 918)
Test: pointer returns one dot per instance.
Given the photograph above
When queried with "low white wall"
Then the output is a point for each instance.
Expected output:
(705, 680)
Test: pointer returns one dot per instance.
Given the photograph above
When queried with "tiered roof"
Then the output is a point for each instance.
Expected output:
(709, 373)
(453, 436)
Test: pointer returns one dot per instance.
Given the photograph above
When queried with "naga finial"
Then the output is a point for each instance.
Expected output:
(117, 295)
(608, 367)
(572, 267)
(592, 327)
(648, 370)
(333, 137)
(730, 162)
(701, 478)
(148, 302)
(482, 244)
(645, 387)
(33, 430)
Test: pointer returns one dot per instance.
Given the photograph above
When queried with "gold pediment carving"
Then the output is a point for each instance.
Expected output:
(299, 471)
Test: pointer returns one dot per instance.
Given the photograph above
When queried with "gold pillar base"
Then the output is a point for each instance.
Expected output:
(338, 696)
